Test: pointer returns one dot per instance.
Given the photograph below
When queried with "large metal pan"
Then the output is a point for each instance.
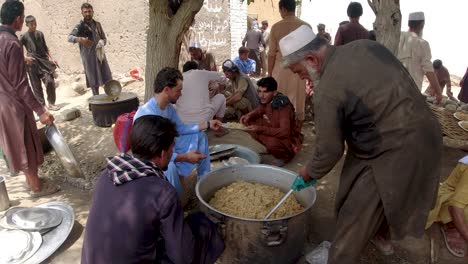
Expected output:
(63, 152)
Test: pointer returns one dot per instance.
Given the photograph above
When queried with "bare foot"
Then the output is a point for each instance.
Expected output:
(383, 245)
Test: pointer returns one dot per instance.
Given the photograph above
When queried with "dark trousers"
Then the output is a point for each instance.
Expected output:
(360, 217)
(36, 77)
(95, 90)
(255, 55)
(208, 243)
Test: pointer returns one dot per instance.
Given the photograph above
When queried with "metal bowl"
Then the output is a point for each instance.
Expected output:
(113, 88)
(63, 152)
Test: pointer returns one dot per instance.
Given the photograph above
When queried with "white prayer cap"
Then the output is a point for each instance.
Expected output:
(416, 16)
(296, 40)
(195, 45)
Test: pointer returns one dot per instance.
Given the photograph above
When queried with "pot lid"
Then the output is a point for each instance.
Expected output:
(103, 99)
(18, 245)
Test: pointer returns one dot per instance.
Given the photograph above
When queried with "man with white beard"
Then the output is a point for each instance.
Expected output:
(363, 96)
(415, 54)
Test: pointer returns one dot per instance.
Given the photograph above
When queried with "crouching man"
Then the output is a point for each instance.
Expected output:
(191, 146)
(273, 123)
(136, 216)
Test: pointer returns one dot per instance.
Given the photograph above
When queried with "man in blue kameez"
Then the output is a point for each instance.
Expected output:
(191, 147)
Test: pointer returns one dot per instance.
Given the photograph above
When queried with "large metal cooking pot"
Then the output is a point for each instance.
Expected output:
(106, 109)
(258, 241)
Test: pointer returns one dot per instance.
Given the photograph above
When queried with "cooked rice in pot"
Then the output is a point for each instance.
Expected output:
(253, 200)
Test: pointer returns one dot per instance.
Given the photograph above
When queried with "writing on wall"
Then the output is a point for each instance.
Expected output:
(212, 28)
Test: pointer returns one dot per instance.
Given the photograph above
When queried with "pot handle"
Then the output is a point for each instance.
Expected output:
(274, 235)
(218, 220)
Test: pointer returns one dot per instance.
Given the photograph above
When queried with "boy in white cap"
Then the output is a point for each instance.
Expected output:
(363, 96)
(415, 54)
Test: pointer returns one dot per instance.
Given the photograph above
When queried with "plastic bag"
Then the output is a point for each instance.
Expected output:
(320, 254)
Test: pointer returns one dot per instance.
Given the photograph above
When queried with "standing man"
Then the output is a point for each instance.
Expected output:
(353, 30)
(289, 84)
(91, 38)
(264, 50)
(254, 38)
(191, 146)
(386, 123)
(415, 54)
(322, 33)
(18, 132)
(443, 77)
(41, 66)
(463, 95)
(206, 60)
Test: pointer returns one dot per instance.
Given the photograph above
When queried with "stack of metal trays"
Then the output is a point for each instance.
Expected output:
(39, 232)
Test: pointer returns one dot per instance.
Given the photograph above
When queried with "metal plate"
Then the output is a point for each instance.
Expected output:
(36, 241)
(63, 152)
(217, 149)
(227, 126)
(49, 218)
(461, 123)
(240, 151)
(55, 238)
(460, 116)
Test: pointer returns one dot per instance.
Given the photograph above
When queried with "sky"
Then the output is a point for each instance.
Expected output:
(445, 22)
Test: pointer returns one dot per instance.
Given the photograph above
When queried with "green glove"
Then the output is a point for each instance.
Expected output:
(300, 184)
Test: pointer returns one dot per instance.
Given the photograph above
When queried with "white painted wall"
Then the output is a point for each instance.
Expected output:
(445, 24)
(238, 23)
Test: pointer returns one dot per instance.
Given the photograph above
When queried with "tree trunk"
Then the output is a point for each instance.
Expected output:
(165, 35)
(387, 23)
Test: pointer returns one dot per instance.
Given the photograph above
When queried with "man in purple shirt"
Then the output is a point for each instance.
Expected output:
(136, 216)
(353, 30)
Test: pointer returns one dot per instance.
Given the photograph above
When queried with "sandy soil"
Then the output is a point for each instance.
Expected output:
(91, 145)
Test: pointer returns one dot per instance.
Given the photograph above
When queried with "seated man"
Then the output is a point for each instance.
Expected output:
(191, 146)
(136, 216)
(195, 104)
(246, 65)
(242, 97)
(451, 210)
(273, 123)
(205, 60)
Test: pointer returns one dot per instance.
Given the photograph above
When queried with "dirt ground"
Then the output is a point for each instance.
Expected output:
(91, 145)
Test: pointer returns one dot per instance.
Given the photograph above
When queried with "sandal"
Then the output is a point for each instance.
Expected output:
(47, 189)
(384, 247)
(452, 240)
